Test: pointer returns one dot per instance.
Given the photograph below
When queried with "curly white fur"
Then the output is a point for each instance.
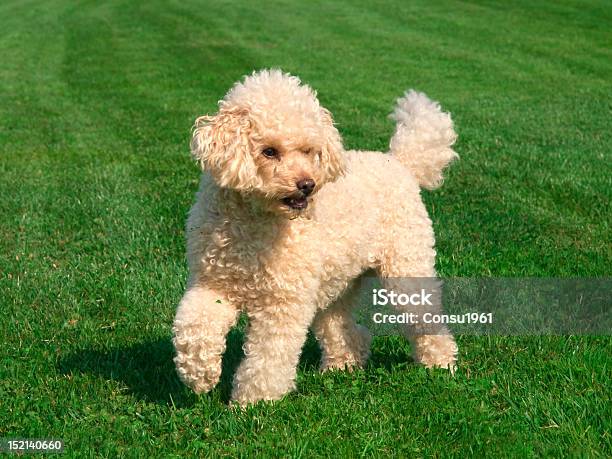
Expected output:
(423, 138)
(257, 244)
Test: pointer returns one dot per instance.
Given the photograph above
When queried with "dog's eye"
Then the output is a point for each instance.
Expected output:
(307, 151)
(270, 152)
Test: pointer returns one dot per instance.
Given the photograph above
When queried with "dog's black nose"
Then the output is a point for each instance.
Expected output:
(306, 186)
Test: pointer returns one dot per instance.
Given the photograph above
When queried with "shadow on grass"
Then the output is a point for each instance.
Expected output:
(147, 368)
(390, 352)
(148, 371)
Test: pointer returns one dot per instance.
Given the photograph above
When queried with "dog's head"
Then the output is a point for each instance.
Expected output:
(272, 141)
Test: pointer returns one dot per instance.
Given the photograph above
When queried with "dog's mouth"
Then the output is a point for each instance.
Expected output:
(296, 203)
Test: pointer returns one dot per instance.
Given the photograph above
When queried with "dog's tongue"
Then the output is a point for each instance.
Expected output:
(296, 203)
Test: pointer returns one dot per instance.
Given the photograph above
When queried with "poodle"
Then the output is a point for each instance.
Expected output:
(286, 221)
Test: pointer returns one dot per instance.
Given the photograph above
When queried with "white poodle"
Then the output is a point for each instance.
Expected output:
(286, 220)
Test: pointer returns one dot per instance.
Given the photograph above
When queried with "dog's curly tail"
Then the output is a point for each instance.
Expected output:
(423, 138)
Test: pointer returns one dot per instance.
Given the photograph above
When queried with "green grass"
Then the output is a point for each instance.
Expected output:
(96, 104)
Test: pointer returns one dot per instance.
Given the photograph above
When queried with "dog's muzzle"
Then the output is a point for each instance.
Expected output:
(300, 201)
(296, 203)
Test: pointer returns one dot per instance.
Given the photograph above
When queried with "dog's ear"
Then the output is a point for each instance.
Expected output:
(221, 145)
(332, 150)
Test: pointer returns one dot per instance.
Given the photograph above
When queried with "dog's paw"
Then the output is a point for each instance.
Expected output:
(198, 363)
(201, 376)
(436, 351)
(347, 362)
(253, 385)
(249, 396)
(354, 354)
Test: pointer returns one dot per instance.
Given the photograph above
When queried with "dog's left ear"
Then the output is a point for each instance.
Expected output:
(332, 150)
(221, 145)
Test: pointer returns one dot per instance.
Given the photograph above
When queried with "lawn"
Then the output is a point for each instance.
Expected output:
(96, 104)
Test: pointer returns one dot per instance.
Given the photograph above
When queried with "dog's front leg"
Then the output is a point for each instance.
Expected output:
(274, 341)
(203, 319)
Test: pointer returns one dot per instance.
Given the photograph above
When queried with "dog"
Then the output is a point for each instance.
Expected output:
(286, 220)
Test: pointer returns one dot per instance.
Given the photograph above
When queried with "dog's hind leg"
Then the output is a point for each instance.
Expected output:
(408, 267)
(344, 343)
(203, 319)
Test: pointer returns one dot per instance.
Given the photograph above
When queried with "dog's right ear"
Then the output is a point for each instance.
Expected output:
(332, 151)
(220, 144)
